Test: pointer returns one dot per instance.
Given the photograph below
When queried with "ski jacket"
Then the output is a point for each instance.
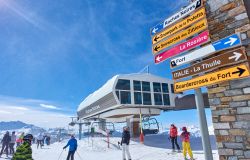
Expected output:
(185, 137)
(13, 138)
(6, 139)
(40, 137)
(125, 137)
(173, 132)
(72, 143)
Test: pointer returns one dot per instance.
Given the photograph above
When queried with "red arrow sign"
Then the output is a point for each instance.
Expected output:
(190, 44)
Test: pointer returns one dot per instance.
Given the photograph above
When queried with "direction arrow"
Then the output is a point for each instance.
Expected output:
(220, 45)
(239, 71)
(192, 30)
(183, 47)
(174, 18)
(236, 56)
(200, 14)
(221, 60)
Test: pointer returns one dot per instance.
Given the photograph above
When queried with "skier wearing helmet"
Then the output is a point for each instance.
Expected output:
(185, 137)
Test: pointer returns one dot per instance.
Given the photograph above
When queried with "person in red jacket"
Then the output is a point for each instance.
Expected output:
(173, 137)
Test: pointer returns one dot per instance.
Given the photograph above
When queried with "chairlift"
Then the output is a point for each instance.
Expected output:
(150, 125)
(108, 126)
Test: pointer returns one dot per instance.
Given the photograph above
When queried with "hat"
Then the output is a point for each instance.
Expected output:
(28, 137)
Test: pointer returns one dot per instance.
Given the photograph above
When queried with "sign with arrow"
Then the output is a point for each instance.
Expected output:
(194, 29)
(225, 43)
(229, 58)
(183, 47)
(174, 18)
(179, 26)
(235, 72)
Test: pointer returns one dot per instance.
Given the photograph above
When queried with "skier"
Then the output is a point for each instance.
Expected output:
(185, 136)
(12, 142)
(20, 139)
(72, 143)
(5, 144)
(24, 151)
(125, 143)
(173, 137)
(39, 140)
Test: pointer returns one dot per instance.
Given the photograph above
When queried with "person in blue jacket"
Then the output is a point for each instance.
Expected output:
(72, 143)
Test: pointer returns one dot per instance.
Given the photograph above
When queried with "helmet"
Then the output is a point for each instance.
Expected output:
(28, 138)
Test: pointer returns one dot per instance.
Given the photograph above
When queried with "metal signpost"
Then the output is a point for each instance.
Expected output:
(225, 43)
(221, 60)
(167, 39)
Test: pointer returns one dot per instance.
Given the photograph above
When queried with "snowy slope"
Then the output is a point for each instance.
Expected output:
(96, 149)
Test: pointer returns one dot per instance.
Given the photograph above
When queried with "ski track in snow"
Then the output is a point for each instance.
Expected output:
(100, 151)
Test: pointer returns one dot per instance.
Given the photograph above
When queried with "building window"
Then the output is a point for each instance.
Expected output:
(165, 88)
(158, 98)
(157, 87)
(137, 85)
(166, 99)
(145, 86)
(137, 97)
(123, 84)
(147, 99)
(125, 97)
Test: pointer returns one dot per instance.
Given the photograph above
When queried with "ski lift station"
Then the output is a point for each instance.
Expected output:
(124, 97)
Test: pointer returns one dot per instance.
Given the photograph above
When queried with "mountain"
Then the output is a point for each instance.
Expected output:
(12, 125)
(19, 127)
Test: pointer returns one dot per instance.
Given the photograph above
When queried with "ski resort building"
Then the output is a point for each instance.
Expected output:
(126, 96)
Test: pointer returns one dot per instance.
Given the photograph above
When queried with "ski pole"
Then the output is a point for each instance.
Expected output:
(79, 155)
(60, 155)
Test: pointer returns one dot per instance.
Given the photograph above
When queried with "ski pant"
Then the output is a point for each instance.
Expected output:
(12, 151)
(125, 150)
(174, 142)
(71, 155)
(187, 149)
(39, 142)
(5, 147)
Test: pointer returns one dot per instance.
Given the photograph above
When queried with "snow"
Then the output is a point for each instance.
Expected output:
(96, 148)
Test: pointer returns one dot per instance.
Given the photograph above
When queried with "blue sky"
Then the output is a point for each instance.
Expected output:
(55, 53)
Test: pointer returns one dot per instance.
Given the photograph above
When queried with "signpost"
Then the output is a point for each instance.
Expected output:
(225, 43)
(179, 26)
(235, 72)
(174, 18)
(194, 29)
(185, 46)
(167, 39)
(228, 58)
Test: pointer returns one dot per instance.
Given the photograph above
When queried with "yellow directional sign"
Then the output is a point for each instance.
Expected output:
(179, 26)
(196, 28)
(212, 78)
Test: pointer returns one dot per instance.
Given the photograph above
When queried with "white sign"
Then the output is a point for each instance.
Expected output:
(225, 43)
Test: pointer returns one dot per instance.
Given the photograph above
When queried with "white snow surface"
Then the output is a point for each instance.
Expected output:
(97, 149)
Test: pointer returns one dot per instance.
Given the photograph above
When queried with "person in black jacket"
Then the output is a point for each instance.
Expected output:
(125, 143)
(5, 144)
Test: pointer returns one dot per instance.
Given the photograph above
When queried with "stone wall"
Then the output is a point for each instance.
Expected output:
(230, 101)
